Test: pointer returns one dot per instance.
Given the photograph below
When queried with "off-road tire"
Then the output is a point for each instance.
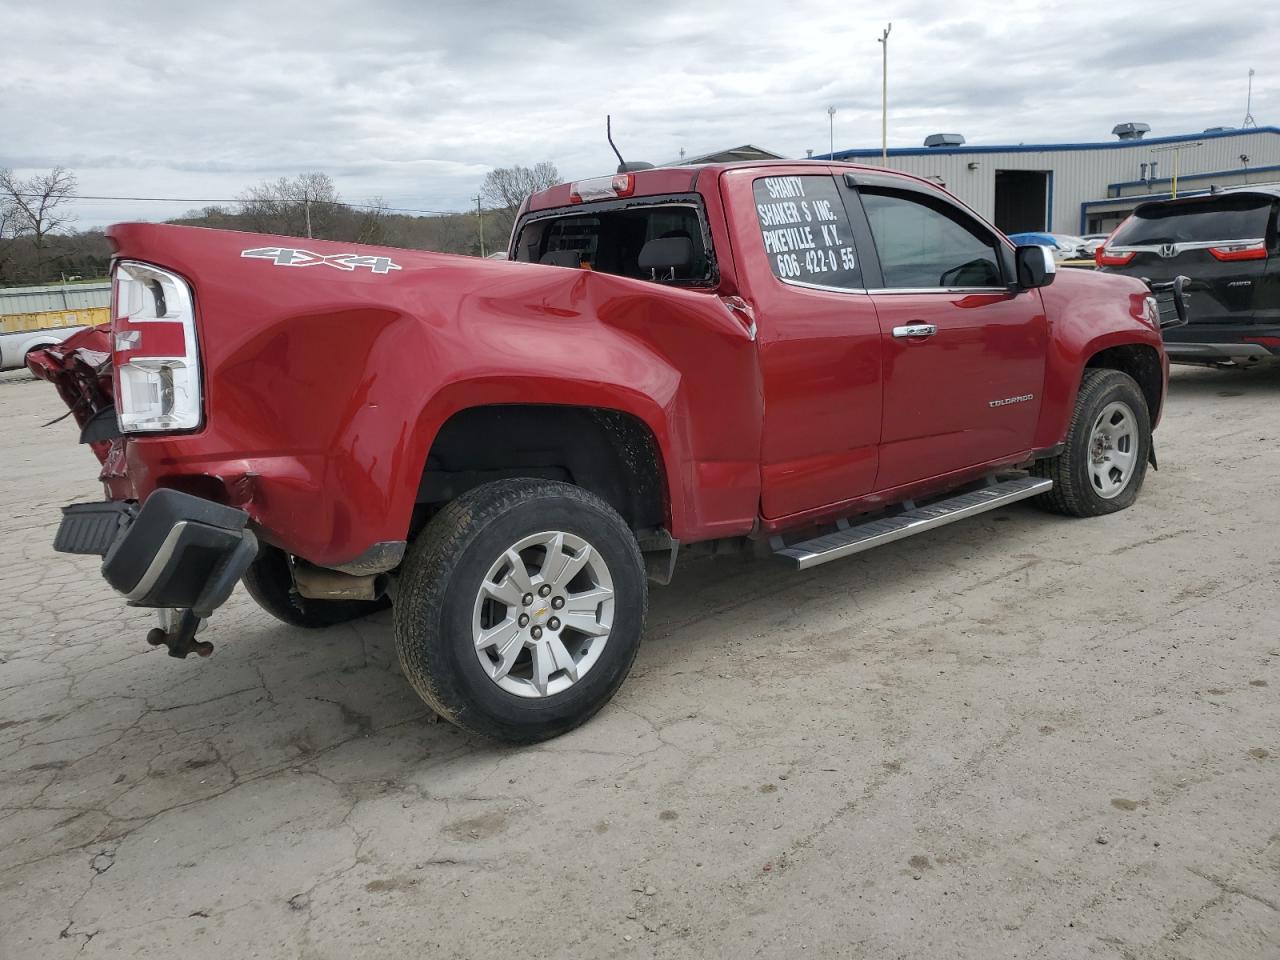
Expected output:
(271, 585)
(1073, 492)
(440, 581)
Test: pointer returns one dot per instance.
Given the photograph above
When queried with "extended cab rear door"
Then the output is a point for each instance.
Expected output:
(818, 337)
(963, 350)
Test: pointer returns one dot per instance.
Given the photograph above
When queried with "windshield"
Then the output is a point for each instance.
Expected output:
(1220, 218)
(610, 240)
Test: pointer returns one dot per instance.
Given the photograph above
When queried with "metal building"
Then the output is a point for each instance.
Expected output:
(1085, 187)
(59, 296)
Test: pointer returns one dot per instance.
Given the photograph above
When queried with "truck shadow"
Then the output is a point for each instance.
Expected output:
(275, 700)
(331, 686)
(1227, 383)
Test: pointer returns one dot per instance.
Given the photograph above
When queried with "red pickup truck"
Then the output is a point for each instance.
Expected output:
(819, 358)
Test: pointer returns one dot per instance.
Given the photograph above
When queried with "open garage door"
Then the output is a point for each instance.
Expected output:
(1022, 200)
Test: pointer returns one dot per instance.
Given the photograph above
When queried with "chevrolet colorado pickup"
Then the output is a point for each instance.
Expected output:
(811, 358)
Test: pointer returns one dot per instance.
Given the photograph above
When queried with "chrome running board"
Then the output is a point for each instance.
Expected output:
(863, 536)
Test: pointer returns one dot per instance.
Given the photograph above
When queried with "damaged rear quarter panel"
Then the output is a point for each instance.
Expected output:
(323, 388)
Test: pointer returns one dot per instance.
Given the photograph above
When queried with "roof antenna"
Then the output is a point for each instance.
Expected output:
(623, 166)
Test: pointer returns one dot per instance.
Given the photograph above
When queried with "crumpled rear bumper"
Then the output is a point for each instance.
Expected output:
(175, 550)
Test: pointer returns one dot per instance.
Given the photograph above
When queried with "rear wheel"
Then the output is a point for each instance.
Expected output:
(1104, 461)
(270, 583)
(520, 609)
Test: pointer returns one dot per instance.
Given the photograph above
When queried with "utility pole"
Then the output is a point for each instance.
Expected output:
(480, 217)
(306, 205)
(1248, 105)
(884, 96)
(831, 130)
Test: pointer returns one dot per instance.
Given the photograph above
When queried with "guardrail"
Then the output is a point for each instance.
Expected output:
(53, 319)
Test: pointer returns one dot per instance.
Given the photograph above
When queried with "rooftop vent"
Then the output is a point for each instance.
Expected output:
(944, 140)
(1217, 129)
(1131, 131)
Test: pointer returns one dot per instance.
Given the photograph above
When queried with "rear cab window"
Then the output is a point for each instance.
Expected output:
(1243, 217)
(609, 236)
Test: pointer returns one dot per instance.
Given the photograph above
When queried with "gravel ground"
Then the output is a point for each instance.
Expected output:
(1020, 736)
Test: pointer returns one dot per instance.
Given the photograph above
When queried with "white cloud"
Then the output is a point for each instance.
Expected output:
(413, 102)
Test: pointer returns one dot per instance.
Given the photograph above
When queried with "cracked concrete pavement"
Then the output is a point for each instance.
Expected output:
(1020, 736)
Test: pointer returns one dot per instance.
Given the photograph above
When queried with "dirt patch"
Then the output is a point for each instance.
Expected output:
(477, 828)
(1196, 592)
(391, 885)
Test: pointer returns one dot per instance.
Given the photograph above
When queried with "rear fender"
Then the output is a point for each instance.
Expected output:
(502, 390)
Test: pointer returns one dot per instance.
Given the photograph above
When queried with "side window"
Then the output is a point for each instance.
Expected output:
(805, 231)
(923, 244)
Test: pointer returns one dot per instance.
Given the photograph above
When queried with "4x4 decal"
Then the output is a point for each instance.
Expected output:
(293, 257)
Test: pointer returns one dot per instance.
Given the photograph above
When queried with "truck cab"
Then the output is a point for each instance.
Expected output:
(898, 350)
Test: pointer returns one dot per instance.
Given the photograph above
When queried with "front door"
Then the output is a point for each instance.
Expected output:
(963, 352)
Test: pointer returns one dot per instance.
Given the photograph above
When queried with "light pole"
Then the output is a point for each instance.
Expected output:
(480, 217)
(831, 130)
(1248, 105)
(1176, 149)
(884, 96)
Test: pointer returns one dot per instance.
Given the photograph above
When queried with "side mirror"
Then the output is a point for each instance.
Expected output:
(1036, 266)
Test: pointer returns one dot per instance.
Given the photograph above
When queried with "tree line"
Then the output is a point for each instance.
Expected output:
(39, 245)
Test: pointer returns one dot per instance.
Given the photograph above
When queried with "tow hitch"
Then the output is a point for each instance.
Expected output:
(179, 553)
(177, 631)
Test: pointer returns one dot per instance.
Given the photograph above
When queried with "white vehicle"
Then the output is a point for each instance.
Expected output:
(1064, 246)
(35, 317)
(14, 347)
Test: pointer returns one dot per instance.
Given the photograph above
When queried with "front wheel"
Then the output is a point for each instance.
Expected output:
(520, 609)
(1104, 460)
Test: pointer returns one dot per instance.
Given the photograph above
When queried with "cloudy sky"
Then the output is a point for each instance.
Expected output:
(414, 101)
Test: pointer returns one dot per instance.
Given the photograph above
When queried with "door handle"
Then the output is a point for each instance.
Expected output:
(915, 330)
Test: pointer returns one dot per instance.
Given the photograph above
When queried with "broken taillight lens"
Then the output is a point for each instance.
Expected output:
(156, 357)
(602, 188)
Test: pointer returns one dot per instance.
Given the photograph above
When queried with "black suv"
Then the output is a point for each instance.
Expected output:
(1225, 243)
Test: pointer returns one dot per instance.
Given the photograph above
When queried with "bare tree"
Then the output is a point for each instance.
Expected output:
(37, 207)
(371, 221)
(8, 235)
(505, 188)
(306, 206)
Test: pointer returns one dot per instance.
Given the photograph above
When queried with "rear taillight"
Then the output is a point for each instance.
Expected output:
(157, 360)
(1106, 258)
(602, 188)
(1249, 250)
